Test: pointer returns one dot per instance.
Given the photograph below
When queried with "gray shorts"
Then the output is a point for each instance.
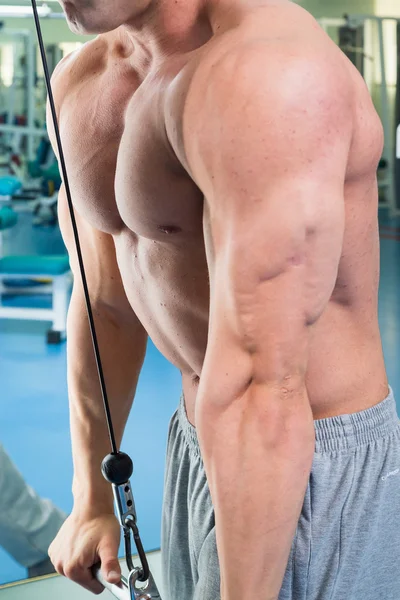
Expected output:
(347, 543)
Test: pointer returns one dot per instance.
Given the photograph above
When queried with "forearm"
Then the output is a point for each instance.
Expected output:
(258, 459)
(122, 347)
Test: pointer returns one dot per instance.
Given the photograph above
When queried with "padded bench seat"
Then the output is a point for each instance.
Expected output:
(54, 268)
(34, 265)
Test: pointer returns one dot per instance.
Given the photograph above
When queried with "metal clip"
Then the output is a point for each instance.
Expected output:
(126, 510)
(117, 468)
(148, 592)
(124, 502)
(127, 589)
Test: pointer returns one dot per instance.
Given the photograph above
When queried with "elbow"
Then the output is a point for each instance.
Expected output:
(284, 412)
(279, 412)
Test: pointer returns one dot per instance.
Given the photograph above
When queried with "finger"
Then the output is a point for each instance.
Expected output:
(83, 577)
(58, 567)
(54, 558)
(110, 566)
(57, 564)
(51, 551)
(92, 584)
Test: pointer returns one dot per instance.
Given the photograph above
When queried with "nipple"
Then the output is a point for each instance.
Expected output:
(169, 229)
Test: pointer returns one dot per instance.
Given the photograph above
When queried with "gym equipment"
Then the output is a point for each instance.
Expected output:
(61, 588)
(45, 212)
(25, 38)
(8, 218)
(122, 591)
(351, 42)
(45, 168)
(362, 26)
(117, 467)
(16, 269)
(9, 186)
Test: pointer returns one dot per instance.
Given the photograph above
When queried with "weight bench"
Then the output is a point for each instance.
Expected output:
(56, 269)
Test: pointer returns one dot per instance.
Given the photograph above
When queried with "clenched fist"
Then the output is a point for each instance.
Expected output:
(84, 541)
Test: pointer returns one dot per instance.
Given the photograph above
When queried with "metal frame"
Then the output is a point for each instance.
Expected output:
(30, 131)
(388, 182)
(59, 288)
(57, 315)
(60, 284)
(28, 41)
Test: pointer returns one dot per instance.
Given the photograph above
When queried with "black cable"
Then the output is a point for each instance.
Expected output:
(75, 230)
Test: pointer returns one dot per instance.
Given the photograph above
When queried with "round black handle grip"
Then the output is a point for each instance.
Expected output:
(117, 468)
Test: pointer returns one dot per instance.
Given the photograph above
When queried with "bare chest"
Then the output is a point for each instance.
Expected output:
(122, 172)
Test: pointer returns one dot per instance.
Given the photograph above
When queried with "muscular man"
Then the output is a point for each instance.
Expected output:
(222, 157)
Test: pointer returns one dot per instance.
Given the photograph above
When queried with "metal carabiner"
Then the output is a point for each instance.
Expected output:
(148, 592)
(144, 572)
(128, 589)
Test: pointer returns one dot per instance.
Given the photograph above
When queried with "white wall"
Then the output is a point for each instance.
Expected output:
(337, 8)
(387, 8)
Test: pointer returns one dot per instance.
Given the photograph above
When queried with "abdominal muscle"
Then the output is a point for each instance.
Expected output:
(167, 287)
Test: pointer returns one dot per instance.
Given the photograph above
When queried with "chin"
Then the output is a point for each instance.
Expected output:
(75, 27)
(75, 20)
(72, 19)
(79, 28)
(85, 27)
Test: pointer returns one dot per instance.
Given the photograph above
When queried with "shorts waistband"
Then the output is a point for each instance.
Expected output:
(345, 432)
(334, 434)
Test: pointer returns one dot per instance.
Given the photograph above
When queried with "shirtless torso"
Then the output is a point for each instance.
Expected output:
(130, 180)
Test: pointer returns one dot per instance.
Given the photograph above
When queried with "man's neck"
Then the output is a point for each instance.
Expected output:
(171, 27)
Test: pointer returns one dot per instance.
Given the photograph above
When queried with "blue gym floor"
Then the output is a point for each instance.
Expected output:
(34, 422)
